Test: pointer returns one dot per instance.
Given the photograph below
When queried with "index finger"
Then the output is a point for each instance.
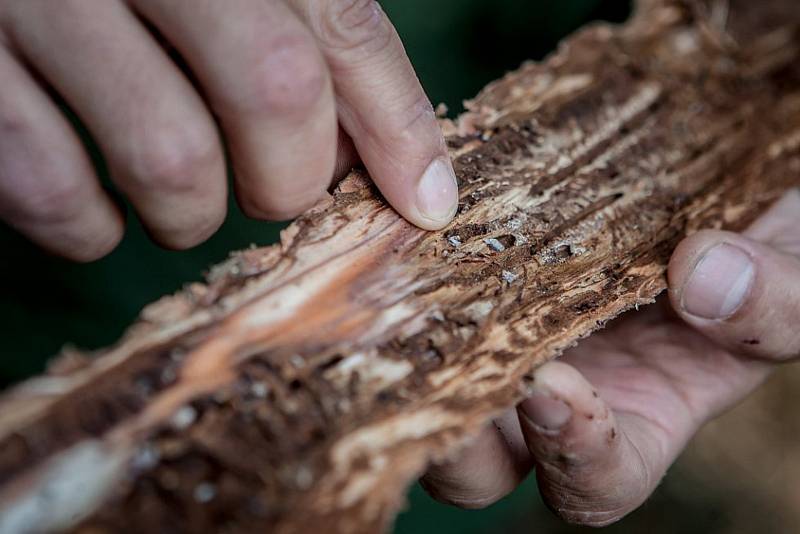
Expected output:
(382, 106)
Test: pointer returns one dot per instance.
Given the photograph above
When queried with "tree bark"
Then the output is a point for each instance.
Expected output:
(307, 384)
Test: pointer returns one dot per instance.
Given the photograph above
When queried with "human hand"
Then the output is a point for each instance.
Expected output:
(607, 420)
(279, 78)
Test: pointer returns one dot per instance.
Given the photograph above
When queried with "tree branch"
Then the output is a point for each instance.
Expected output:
(306, 384)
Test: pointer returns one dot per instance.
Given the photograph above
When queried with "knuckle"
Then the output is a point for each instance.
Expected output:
(578, 492)
(172, 163)
(412, 125)
(355, 25)
(290, 79)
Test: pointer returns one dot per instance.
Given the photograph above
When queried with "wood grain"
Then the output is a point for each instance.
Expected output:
(307, 384)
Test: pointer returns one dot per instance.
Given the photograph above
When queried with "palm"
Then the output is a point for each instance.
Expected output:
(602, 426)
(653, 367)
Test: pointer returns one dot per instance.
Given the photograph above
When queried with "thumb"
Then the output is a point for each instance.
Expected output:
(593, 466)
(741, 293)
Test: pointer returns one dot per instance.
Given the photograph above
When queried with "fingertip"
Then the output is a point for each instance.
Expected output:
(187, 226)
(562, 380)
(719, 284)
(428, 201)
(187, 237)
(82, 225)
(685, 259)
(100, 246)
(546, 413)
(739, 292)
(385, 110)
(276, 205)
(561, 400)
(486, 470)
(80, 243)
(687, 253)
(436, 196)
(587, 469)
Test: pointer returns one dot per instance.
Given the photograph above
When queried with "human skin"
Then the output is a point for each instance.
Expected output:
(606, 421)
(298, 89)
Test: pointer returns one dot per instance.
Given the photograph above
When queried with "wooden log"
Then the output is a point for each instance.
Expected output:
(308, 383)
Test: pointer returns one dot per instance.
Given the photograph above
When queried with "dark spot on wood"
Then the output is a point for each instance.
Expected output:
(562, 252)
(330, 363)
(586, 306)
(507, 240)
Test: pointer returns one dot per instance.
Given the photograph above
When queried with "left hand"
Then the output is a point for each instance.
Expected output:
(294, 91)
(607, 420)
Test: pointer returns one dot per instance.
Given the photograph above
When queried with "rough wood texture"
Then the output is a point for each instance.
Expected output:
(306, 385)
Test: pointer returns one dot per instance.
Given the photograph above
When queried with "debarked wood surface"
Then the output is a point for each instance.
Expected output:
(307, 384)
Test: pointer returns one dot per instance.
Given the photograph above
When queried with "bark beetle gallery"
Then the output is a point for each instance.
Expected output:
(307, 384)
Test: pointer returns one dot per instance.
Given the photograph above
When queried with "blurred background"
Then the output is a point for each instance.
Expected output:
(741, 475)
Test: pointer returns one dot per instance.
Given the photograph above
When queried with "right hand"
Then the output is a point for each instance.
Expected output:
(606, 421)
(279, 78)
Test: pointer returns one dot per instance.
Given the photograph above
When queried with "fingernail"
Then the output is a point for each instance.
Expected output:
(546, 412)
(719, 284)
(437, 192)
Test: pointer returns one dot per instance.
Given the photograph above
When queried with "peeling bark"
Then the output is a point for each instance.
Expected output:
(307, 384)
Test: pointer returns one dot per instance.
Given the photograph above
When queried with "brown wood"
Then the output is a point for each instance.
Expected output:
(307, 384)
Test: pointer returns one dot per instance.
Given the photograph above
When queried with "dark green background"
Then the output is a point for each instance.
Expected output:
(457, 46)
